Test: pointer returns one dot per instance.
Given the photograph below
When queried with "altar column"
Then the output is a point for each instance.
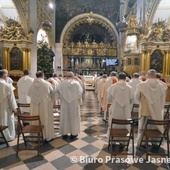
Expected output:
(58, 61)
(147, 67)
(143, 60)
(168, 62)
(33, 23)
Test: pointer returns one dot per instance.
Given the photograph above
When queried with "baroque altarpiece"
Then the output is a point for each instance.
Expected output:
(150, 51)
(88, 57)
(15, 48)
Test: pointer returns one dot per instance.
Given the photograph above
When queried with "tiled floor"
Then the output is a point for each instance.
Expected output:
(89, 151)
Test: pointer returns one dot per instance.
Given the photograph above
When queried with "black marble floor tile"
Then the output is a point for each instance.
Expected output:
(35, 161)
(8, 160)
(90, 149)
(62, 163)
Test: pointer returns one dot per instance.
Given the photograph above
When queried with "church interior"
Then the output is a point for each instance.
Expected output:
(87, 37)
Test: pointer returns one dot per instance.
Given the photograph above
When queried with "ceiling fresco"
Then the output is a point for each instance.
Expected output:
(67, 9)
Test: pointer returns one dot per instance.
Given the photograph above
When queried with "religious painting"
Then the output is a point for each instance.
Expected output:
(136, 61)
(16, 59)
(156, 61)
(129, 61)
(88, 62)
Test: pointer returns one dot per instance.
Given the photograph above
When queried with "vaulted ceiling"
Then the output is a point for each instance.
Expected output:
(67, 9)
(7, 9)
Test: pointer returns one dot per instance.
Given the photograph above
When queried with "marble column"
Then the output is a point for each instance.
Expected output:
(58, 61)
(121, 25)
(34, 25)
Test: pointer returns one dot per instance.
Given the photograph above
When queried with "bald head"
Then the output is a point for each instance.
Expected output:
(70, 74)
(6, 71)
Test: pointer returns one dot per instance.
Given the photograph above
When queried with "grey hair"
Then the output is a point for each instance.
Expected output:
(152, 72)
(113, 73)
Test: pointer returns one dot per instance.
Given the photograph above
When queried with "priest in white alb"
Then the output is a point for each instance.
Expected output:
(24, 83)
(100, 87)
(41, 94)
(54, 83)
(7, 107)
(151, 97)
(70, 93)
(120, 95)
(110, 80)
(134, 82)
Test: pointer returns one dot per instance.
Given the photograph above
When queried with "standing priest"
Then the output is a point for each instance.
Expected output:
(41, 93)
(24, 83)
(151, 97)
(120, 95)
(7, 106)
(70, 93)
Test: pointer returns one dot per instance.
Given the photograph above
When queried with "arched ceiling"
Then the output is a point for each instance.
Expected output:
(68, 9)
(163, 11)
(7, 9)
(91, 33)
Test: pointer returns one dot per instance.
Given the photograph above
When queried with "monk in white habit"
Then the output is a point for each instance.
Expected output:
(111, 80)
(7, 107)
(120, 95)
(151, 97)
(158, 76)
(55, 84)
(100, 87)
(96, 80)
(24, 83)
(70, 93)
(133, 83)
(8, 79)
(41, 93)
(56, 78)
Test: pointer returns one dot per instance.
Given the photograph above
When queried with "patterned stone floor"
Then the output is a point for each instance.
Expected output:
(89, 151)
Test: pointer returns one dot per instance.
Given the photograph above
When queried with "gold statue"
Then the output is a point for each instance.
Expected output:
(94, 44)
(132, 21)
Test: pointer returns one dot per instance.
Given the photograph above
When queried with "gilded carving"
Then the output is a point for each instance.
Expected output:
(13, 31)
(158, 32)
(91, 49)
(132, 21)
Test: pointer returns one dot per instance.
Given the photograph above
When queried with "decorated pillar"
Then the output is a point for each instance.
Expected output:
(58, 61)
(147, 61)
(168, 62)
(143, 61)
(33, 24)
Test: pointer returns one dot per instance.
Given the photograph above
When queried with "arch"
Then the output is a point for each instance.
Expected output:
(21, 15)
(153, 11)
(80, 18)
